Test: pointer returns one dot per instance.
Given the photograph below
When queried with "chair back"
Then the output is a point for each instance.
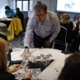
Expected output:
(62, 36)
(61, 40)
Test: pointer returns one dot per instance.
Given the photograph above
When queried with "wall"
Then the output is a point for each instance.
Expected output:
(2, 7)
(51, 4)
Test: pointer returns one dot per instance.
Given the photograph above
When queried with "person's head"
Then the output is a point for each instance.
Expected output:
(71, 69)
(3, 54)
(17, 10)
(40, 10)
(7, 8)
(65, 18)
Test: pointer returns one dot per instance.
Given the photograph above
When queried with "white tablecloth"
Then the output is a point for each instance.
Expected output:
(53, 70)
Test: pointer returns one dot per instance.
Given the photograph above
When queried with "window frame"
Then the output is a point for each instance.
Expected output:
(29, 4)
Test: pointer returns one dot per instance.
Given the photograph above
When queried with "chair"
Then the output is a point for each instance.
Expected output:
(61, 40)
(15, 27)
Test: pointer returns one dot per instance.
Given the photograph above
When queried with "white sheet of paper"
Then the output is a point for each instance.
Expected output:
(16, 56)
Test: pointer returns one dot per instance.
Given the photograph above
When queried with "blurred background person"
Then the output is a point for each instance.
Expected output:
(20, 15)
(76, 38)
(69, 25)
(4, 32)
(9, 12)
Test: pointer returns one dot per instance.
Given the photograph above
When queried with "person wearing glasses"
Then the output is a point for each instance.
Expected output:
(42, 28)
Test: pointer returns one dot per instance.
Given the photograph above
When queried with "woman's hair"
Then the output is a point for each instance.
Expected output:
(71, 69)
(3, 61)
(65, 18)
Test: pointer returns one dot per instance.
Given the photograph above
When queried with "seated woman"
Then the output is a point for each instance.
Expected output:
(65, 22)
(69, 25)
(71, 69)
(4, 73)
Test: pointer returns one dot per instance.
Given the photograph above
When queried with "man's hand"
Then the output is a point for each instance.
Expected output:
(26, 53)
(47, 44)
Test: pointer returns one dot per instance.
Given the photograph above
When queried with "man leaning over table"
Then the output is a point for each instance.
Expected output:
(42, 28)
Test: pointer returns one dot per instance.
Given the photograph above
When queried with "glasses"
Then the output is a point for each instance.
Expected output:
(40, 15)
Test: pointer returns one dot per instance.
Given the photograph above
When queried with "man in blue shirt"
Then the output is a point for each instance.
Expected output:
(9, 12)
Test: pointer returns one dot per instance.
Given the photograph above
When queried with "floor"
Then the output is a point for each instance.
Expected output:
(17, 42)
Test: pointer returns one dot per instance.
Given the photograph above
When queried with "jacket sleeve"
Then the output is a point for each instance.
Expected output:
(26, 79)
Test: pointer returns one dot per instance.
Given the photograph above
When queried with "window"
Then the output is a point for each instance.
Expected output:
(19, 5)
(31, 5)
(24, 5)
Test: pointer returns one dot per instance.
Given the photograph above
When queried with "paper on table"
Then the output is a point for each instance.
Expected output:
(16, 56)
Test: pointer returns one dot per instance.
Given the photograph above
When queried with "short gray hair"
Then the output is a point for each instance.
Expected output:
(40, 6)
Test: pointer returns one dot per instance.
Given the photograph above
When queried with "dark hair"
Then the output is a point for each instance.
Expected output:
(40, 6)
(71, 69)
(7, 7)
(17, 9)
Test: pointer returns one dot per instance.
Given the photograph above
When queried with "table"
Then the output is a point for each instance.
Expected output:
(6, 21)
(53, 70)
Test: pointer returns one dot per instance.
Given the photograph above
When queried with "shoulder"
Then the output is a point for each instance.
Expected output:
(11, 10)
(52, 14)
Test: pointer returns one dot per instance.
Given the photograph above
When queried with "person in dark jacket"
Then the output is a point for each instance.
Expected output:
(20, 15)
(76, 38)
(4, 73)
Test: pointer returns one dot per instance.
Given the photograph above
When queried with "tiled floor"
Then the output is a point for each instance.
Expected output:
(17, 42)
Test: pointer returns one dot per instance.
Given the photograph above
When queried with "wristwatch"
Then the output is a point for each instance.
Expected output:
(26, 47)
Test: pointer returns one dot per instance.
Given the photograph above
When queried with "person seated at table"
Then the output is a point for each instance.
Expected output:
(5, 74)
(9, 12)
(4, 32)
(71, 69)
(76, 39)
(20, 15)
(68, 24)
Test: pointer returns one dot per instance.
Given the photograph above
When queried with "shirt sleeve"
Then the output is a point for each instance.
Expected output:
(56, 27)
(29, 33)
